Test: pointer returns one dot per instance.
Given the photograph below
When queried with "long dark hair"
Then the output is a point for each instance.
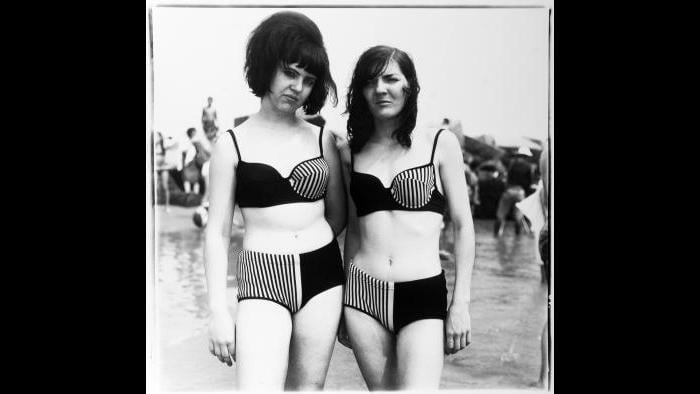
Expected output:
(282, 39)
(360, 120)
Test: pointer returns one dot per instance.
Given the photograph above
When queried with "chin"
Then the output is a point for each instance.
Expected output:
(386, 115)
(287, 108)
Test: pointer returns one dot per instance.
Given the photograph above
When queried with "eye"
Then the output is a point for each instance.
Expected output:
(289, 73)
(309, 81)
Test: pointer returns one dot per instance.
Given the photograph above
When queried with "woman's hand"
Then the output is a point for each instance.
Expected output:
(458, 327)
(222, 337)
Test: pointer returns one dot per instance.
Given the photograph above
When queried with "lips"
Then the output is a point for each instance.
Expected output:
(290, 97)
(382, 102)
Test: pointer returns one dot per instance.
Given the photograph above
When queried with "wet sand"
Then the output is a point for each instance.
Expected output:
(508, 310)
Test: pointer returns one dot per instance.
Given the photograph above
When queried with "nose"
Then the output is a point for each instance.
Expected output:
(380, 87)
(296, 84)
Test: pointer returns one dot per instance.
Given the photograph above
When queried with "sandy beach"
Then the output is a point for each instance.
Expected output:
(508, 310)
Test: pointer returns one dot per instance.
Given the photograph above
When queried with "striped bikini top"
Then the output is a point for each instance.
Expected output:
(260, 185)
(411, 190)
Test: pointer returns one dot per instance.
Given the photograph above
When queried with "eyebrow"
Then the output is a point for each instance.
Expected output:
(309, 75)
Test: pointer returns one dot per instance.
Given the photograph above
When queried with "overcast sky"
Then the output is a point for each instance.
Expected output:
(487, 68)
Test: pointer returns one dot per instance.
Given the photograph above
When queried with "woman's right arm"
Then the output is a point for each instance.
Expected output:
(222, 185)
(352, 234)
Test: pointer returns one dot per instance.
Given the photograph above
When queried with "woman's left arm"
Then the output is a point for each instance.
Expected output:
(451, 169)
(336, 211)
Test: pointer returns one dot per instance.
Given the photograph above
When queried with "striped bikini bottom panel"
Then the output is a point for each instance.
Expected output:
(274, 277)
(396, 304)
(370, 295)
(290, 280)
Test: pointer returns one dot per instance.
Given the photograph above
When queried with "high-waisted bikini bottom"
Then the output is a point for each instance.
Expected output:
(396, 304)
(290, 280)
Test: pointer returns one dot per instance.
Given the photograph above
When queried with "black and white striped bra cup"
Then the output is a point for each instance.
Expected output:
(414, 187)
(310, 178)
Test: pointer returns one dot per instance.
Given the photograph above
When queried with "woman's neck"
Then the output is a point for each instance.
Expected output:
(384, 130)
(274, 118)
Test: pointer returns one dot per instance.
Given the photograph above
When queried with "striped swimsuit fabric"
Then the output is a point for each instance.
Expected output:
(290, 280)
(260, 185)
(310, 178)
(396, 304)
(413, 189)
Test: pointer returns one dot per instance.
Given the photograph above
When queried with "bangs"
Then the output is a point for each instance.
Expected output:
(309, 57)
(375, 66)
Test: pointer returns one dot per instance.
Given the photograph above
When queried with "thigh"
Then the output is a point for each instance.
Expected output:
(504, 204)
(263, 329)
(314, 329)
(374, 348)
(420, 354)
(164, 178)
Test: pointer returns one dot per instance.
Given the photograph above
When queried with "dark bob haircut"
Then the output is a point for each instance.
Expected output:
(282, 39)
(360, 121)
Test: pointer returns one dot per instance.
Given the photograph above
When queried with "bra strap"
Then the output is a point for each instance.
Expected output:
(235, 143)
(435, 144)
(320, 140)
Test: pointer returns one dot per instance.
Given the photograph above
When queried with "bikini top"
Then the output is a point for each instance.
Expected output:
(412, 189)
(260, 185)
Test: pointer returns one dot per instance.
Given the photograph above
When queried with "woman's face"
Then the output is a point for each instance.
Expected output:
(290, 87)
(385, 94)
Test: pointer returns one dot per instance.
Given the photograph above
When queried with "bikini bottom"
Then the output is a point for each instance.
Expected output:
(396, 304)
(290, 280)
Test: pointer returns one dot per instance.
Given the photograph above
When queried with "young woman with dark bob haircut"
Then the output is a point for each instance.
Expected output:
(285, 175)
(401, 180)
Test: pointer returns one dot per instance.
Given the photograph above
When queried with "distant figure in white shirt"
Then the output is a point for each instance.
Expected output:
(209, 117)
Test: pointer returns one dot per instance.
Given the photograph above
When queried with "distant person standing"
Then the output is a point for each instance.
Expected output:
(190, 168)
(489, 187)
(204, 150)
(209, 116)
(164, 163)
(520, 180)
(521, 172)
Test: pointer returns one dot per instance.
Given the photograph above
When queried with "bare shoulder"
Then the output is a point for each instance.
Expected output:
(427, 135)
(224, 146)
(448, 139)
(448, 146)
(243, 128)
